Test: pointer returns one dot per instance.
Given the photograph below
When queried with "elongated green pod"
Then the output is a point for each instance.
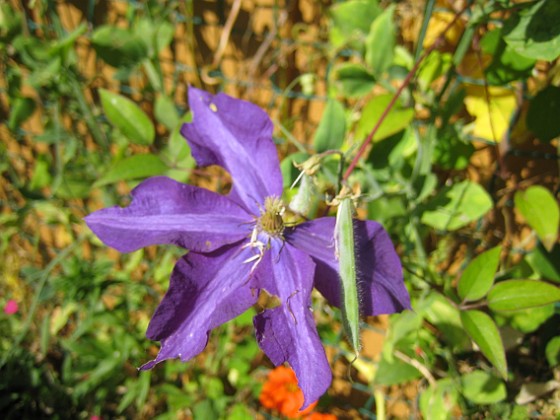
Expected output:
(346, 254)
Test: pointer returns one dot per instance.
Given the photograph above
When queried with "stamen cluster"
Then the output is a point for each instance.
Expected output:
(270, 220)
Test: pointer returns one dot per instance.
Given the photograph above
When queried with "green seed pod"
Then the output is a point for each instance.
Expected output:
(345, 251)
(301, 203)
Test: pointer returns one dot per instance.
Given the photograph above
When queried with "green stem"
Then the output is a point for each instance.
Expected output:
(90, 120)
(404, 84)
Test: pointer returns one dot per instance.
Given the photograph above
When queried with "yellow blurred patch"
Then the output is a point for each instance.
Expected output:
(437, 25)
(493, 114)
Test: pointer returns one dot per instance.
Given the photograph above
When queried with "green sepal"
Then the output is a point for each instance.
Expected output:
(346, 254)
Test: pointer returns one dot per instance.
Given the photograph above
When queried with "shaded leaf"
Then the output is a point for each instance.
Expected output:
(545, 263)
(542, 117)
(353, 80)
(118, 47)
(553, 352)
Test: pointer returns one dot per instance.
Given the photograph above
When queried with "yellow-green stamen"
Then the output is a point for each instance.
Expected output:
(270, 220)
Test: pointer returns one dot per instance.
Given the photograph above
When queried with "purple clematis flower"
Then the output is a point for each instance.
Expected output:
(238, 245)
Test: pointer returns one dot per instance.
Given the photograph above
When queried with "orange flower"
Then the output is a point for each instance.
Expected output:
(281, 393)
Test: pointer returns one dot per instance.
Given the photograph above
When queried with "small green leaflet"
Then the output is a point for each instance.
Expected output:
(345, 252)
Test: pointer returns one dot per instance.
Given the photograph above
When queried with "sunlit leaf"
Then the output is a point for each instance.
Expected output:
(457, 206)
(380, 42)
(478, 277)
(533, 32)
(492, 112)
(512, 295)
(438, 400)
(541, 211)
(484, 332)
(506, 65)
(133, 167)
(166, 112)
(397, 120)
(127, 117)
(483, 388)
(352, 19)
(332, 128)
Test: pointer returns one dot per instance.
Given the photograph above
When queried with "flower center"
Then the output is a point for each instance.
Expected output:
(270, 220)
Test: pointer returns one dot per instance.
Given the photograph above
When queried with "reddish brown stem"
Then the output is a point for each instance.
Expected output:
(405, 83)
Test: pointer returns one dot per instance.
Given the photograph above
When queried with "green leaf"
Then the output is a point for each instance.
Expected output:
(540, 209)
(483, 388)
(478, 277)
(332, 128)
(22, 107)
(451, 151)
(397, 120)
(447, 319)
(166, 112)
(127, 117)
(352, 20)
(289, 171)
(353, 80)
(545, 263)
(528, 320)
(456, 206)
(438, 401)
(41, 174)
(345, 252)
(506, 65)
(118, 47)
(484, 332)
(133, 167)
(395, 371)
(435, 65)
(514, 295)
(542, 117)
(553, 352)
(380, 42)
(533, 32)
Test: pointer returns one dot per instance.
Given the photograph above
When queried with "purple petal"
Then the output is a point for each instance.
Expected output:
(287, 333)
(381, 287)
(236, 135)
(205, 291)
(164, 211)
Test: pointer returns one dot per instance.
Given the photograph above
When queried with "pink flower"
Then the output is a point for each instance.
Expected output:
(11, 307)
